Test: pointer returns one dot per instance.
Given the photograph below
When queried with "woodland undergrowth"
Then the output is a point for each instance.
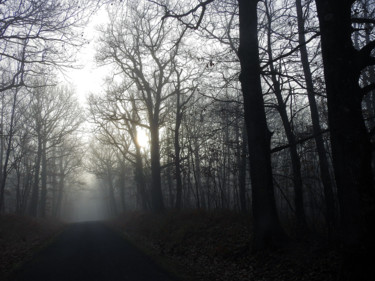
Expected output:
(217, 246)
(21, 236)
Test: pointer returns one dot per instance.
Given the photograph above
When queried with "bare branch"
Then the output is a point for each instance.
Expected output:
(302, 140)
(179, 17)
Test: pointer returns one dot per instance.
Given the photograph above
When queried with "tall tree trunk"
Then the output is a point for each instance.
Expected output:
(4, 166)
(323, 160)
(177, 151)
(26, 186)
(140, 180)
(370, 78)
(43, 193)
(242, 172)
(295, 160)
(169, 172)
(54, 182)
(156, 192)
(267, 228)
(140, 177)
(34, 200)
(2, 187)
(197, 174)
(18, 191)
(122, 187)
(294, 157)
(60, 188)
(351, 147)
(111, 193)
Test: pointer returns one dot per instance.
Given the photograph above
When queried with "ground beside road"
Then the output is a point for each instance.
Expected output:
(21, 236)
(216, 246)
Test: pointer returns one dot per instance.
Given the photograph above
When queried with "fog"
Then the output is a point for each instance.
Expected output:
(87, 203)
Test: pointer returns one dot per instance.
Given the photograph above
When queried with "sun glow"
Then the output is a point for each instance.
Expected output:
(143, 138)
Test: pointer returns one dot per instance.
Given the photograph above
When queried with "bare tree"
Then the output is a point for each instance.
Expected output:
(282, 109)
(6, 142)
(117, 121)
(267, 228)
(36, 35)
(103, 163)
(315, 119)
(65, 161)
(145, 52)
(55, 115)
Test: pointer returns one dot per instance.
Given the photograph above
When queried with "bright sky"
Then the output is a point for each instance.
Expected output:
(90, 78)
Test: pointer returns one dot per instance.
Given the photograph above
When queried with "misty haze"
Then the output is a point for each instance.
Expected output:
(167, 140)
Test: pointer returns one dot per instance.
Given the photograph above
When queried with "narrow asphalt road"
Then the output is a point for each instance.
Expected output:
(90, 251)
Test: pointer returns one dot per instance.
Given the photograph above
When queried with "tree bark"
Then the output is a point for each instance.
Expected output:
(60, 188)
(111, 193)
(4, 166)
(267, 228)
(122, 187)
(34, 200)
(177, 150)
(43, 193)
(242, 172)
(197, 174)
(54, 183)
(2, 187)
(323, 160)
(156, 192)
(351, 147)
(140, 179)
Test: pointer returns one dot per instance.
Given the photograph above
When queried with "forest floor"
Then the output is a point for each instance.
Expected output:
(200, 245)
(20, 237)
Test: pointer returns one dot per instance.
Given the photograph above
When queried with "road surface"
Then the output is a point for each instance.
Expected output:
(90, 251)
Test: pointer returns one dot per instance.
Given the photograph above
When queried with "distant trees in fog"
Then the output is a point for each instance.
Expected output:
(38, 119)
(54, 117)
(275, 80)
(40, 148)
(150, 77)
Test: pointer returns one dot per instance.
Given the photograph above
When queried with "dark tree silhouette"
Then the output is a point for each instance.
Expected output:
(323, 160)
(267, 229)
(350, 140)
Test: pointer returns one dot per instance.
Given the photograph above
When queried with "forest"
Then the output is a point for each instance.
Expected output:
(261, 108)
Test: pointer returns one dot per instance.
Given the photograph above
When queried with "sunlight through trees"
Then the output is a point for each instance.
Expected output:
(262, 107)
